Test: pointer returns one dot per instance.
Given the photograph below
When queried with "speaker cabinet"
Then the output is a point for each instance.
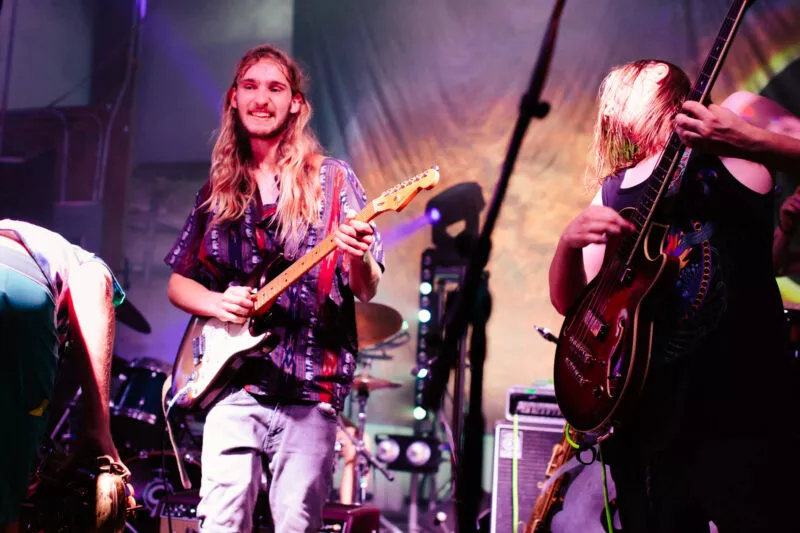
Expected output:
(534, 449)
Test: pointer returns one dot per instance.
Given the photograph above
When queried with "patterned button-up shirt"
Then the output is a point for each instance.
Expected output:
(314, 317)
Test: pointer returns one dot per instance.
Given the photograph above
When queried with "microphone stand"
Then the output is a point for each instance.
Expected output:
(474, 293)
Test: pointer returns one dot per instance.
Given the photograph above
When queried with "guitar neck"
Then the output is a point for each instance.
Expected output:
(267, 295)
(665, 169)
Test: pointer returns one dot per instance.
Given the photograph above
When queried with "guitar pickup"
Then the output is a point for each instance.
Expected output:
(596, 326)
(198, 348)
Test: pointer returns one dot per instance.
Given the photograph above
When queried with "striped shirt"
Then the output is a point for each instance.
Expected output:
(314, 317)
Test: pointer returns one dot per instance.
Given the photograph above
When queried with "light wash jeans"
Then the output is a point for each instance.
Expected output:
(292, 444)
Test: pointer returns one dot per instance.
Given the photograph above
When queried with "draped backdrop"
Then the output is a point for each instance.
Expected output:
(398, 86)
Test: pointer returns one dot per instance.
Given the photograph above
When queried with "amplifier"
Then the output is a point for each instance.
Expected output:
(181, 510)
(339, 518)
(536, 404)
(534, 451)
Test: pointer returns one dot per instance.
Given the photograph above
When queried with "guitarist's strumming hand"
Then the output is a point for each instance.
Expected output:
(354, 238)
(593, 226)
(235, 304)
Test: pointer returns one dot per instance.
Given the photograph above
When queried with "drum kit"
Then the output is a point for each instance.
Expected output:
(137, 420)
(375, 324)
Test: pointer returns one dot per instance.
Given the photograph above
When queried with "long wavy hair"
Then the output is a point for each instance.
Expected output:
(619, 143)
(232, 185)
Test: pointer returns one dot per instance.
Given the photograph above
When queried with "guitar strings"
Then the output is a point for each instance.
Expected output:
(610, 275)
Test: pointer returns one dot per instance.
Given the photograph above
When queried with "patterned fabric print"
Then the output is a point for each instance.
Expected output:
(700, 298)
(315, 360)
(675, 184)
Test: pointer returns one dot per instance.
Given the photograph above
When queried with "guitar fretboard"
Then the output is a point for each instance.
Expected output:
(267, 295)
(667, 164)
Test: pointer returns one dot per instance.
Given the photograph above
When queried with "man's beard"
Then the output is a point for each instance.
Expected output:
(270, 134)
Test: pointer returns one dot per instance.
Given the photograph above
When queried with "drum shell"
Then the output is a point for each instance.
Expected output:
(137, 420)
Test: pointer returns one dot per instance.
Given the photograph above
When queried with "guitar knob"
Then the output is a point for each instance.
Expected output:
(597, 391)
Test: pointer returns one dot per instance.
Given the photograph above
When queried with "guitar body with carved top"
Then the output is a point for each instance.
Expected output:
(605, 342)
(604, 348)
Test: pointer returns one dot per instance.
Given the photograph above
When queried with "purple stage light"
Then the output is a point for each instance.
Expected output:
(434, 215)
(405, 229)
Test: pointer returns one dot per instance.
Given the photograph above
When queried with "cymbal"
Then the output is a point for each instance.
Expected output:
(376, 323)
(130, 316)
(366, 382)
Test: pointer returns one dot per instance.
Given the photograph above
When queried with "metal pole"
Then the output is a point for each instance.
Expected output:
(7, 74)
(413, 507)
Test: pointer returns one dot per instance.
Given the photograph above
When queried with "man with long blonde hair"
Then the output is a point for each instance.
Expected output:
(272, 193)
(699, 448)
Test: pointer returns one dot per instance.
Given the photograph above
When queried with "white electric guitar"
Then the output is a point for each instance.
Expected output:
(211, 350)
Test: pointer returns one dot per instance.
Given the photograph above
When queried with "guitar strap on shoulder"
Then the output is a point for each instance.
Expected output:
(333, 184)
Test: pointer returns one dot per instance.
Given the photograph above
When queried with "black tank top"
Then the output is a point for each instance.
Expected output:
(721, 362)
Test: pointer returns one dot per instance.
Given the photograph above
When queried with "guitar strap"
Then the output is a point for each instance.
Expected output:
(677, 178)
(327, 271)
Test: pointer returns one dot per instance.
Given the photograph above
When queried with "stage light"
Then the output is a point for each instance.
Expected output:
(418, 453)
(427, 320)
(458, 206)
(408, 453)
(434, 215)
(388, 451)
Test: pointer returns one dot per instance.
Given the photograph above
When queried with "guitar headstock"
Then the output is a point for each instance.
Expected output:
(399, 196)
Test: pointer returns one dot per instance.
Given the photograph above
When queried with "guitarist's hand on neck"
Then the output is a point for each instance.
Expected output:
(746, 126)
(354, 238)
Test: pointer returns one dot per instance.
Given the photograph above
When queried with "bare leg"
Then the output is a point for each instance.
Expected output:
(92, 331)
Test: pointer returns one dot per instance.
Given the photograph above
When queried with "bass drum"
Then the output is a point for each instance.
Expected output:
(137, 421)
(153, 476)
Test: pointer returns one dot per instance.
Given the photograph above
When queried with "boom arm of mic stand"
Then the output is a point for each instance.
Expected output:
(361, 450)
(457, 321)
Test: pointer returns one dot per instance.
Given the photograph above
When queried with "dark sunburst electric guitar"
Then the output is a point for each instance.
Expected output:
(603, 355)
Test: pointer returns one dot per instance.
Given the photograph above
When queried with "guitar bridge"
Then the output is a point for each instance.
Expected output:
(582, 351)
